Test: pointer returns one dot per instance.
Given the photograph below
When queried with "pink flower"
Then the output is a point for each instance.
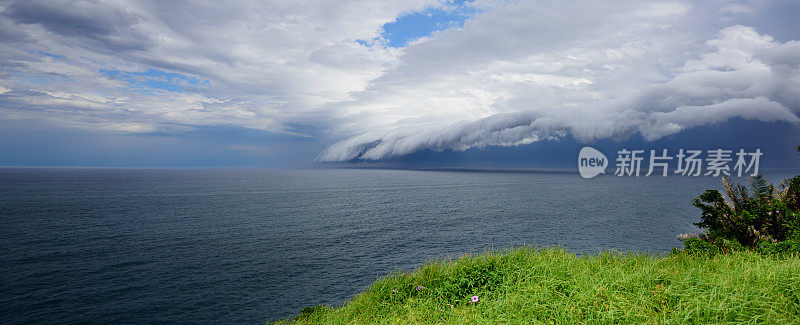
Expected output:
(419, 288)
(474, 298)
(394, 290)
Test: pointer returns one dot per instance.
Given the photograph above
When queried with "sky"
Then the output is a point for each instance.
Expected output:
(415, 82)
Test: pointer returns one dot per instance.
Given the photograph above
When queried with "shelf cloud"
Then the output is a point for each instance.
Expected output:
(610, 77)
(501, 73)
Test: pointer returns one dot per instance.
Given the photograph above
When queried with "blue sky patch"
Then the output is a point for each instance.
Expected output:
(55, 56)
(412, 26)
(154, 80)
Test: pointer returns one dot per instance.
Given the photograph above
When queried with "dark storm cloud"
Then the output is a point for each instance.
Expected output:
(109, 25)
(647, 68)
(514, 73)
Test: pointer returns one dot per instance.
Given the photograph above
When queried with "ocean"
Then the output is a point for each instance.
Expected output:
(247, 245)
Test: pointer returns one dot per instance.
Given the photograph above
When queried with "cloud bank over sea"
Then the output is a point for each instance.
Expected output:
(371, 81)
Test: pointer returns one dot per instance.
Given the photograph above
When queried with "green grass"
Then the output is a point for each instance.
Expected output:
(529, 285)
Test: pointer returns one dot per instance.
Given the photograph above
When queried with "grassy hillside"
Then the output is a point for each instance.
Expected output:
(553, 285)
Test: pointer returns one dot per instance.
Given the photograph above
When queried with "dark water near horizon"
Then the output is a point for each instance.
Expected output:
(247, 245)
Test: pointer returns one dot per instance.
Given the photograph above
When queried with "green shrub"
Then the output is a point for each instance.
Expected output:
(699, 247)
(780, 248)
(755, 217)
(469, 280)
(311, 311)
(728, 246)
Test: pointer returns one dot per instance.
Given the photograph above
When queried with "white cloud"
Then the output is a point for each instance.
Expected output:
(572, 72)
(736, 8)
(516, 73)
(267, 64)
(661, 9)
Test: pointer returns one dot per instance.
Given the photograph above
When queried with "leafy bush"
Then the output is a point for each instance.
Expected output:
(455, 282)
(699, 246)
(785, 247)
(311, 311)
(469, 280)
(759, 217)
